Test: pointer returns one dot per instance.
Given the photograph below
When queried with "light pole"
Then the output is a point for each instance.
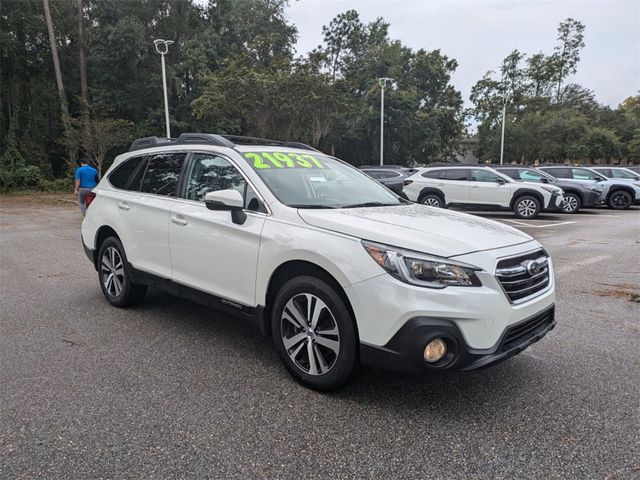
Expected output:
(383, 83)
(504, 117)
(162, 47)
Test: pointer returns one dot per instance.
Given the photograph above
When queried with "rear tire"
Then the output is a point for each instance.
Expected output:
(432, 200)
(572, 203)
(115, 277)
(619, 200)
(315, 334)
(527, 207)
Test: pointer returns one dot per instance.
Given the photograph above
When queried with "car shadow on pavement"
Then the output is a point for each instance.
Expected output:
(446, 392)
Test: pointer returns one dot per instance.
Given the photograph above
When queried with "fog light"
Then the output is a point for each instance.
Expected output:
(435, 350)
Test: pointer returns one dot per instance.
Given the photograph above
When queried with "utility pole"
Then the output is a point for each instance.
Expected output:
(383, 83)
(162, 47)
(504, 117)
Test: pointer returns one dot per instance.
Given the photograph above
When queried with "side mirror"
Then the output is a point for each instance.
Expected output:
(230, 200)
(544, 180)
(501, 180)
(600, 179)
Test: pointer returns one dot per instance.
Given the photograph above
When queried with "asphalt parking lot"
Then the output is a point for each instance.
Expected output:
(171, 389)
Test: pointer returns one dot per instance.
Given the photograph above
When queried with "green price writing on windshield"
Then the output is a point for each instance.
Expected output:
(264, 160)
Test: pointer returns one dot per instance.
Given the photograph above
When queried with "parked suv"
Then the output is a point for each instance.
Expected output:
(617, 194)
(576, 195)
(481, 188)
(335, 267)
(618, 173)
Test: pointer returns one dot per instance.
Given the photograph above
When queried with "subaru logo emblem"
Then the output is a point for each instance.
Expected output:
(533, 267)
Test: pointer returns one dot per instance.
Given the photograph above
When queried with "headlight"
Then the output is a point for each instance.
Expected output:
(552, 189)
(594, 188)
(422, 270)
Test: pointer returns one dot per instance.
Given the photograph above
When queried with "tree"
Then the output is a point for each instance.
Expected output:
(98, 134)
(567, 53)
(603, 144)
(55, 57)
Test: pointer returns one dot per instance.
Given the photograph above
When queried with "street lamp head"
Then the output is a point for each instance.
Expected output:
(162, 46)
(383, 81)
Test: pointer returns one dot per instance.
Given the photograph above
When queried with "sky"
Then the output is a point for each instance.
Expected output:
(480, 33)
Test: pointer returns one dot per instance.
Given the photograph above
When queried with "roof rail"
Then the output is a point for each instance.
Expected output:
(149, 142)
(212, 139)
(243, 140)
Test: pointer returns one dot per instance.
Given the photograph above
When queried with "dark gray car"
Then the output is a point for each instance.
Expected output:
(391, 177)
(576, 195)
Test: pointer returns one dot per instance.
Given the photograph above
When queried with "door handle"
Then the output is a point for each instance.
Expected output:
(474, 186)
(440, 184)
(179, 220)
(123, 206)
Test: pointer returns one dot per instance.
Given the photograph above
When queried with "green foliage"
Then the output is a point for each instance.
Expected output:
(31, 178)
(12, 158)
(548, 121)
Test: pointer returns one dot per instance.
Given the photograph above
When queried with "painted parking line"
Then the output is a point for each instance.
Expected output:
(533, 225)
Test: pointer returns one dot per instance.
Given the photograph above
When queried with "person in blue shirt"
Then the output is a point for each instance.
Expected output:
(86, 179)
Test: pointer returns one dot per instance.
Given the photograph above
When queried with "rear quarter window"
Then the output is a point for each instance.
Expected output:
(121, 176)
(433, 174)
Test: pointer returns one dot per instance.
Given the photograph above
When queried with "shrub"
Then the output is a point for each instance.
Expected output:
(31, 178)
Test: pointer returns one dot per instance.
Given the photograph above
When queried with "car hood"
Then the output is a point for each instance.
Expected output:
(538, 185)
(417, 227)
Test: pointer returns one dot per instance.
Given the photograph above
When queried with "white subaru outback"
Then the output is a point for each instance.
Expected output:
(337, 268)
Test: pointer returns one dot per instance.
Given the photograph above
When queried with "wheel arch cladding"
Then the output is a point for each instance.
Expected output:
(521, 192)
(102, 234)
(431, 190)
(619, 188)
(298, 268)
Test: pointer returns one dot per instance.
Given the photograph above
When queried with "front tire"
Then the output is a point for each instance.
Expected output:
(527, 207)
(572, 203)
(315, 334)
(114, 275)
(620, 200)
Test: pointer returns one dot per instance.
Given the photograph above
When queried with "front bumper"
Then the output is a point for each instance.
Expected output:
(555, 203)
(592, 199)
(404, 352)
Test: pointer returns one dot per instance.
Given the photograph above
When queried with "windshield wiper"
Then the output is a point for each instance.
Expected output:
(370, 204)
(309, 206)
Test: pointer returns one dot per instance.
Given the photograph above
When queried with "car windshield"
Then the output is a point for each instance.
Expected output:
(314, 180)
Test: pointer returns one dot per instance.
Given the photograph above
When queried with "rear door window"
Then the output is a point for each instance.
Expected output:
(480, 175)
(619, 173)
(457, 174)
(558, 172)
(121, 177)
(162, 174)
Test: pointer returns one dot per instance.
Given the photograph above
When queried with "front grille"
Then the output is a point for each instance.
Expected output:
(524, 331)
(523, 276)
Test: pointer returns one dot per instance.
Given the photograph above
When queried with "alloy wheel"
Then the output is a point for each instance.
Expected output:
(527, 207)
(620, 200)
(112, 269)
(431, 202)
(310, 334)
(570, 204)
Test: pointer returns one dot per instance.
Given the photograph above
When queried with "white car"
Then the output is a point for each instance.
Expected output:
(334, 266)
(481, 188)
